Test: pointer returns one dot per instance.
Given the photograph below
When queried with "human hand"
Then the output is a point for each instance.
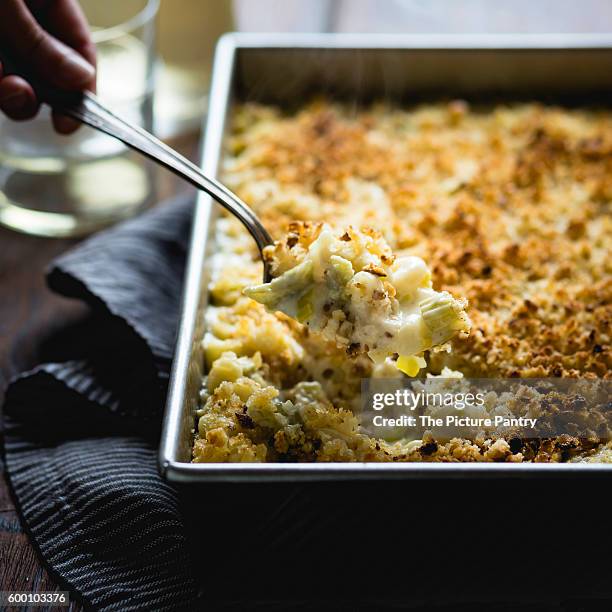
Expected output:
(52, 38)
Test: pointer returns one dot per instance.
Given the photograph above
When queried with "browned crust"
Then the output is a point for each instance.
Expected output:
(539, 170)
(525, 236)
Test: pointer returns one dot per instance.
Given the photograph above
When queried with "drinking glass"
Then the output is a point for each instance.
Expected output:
(54, 185)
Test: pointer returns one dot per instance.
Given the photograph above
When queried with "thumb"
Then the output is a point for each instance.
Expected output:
(55, 62)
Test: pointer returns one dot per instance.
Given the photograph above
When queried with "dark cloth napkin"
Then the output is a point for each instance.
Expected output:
(81, 437)
(81, 433)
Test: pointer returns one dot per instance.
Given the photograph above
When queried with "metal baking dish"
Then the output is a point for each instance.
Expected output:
(288, 69)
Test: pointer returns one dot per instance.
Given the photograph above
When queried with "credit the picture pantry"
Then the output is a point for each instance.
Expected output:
(452, 420)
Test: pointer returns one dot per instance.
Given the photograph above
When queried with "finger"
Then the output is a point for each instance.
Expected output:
(17, 98)
(56, 62)
(66, 21)
(64, 125)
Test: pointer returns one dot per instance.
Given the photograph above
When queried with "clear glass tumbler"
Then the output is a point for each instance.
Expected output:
(53, 185)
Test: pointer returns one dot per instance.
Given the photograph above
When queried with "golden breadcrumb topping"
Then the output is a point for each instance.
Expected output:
(508, 205)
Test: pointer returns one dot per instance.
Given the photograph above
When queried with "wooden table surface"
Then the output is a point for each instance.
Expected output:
(29, 312)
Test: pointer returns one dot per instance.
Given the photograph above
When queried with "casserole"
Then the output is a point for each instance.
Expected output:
(281, 71)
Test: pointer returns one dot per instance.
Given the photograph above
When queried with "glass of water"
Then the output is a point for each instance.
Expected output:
(54, 185)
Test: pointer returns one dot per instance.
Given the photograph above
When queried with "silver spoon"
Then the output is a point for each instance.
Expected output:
(87, 108)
